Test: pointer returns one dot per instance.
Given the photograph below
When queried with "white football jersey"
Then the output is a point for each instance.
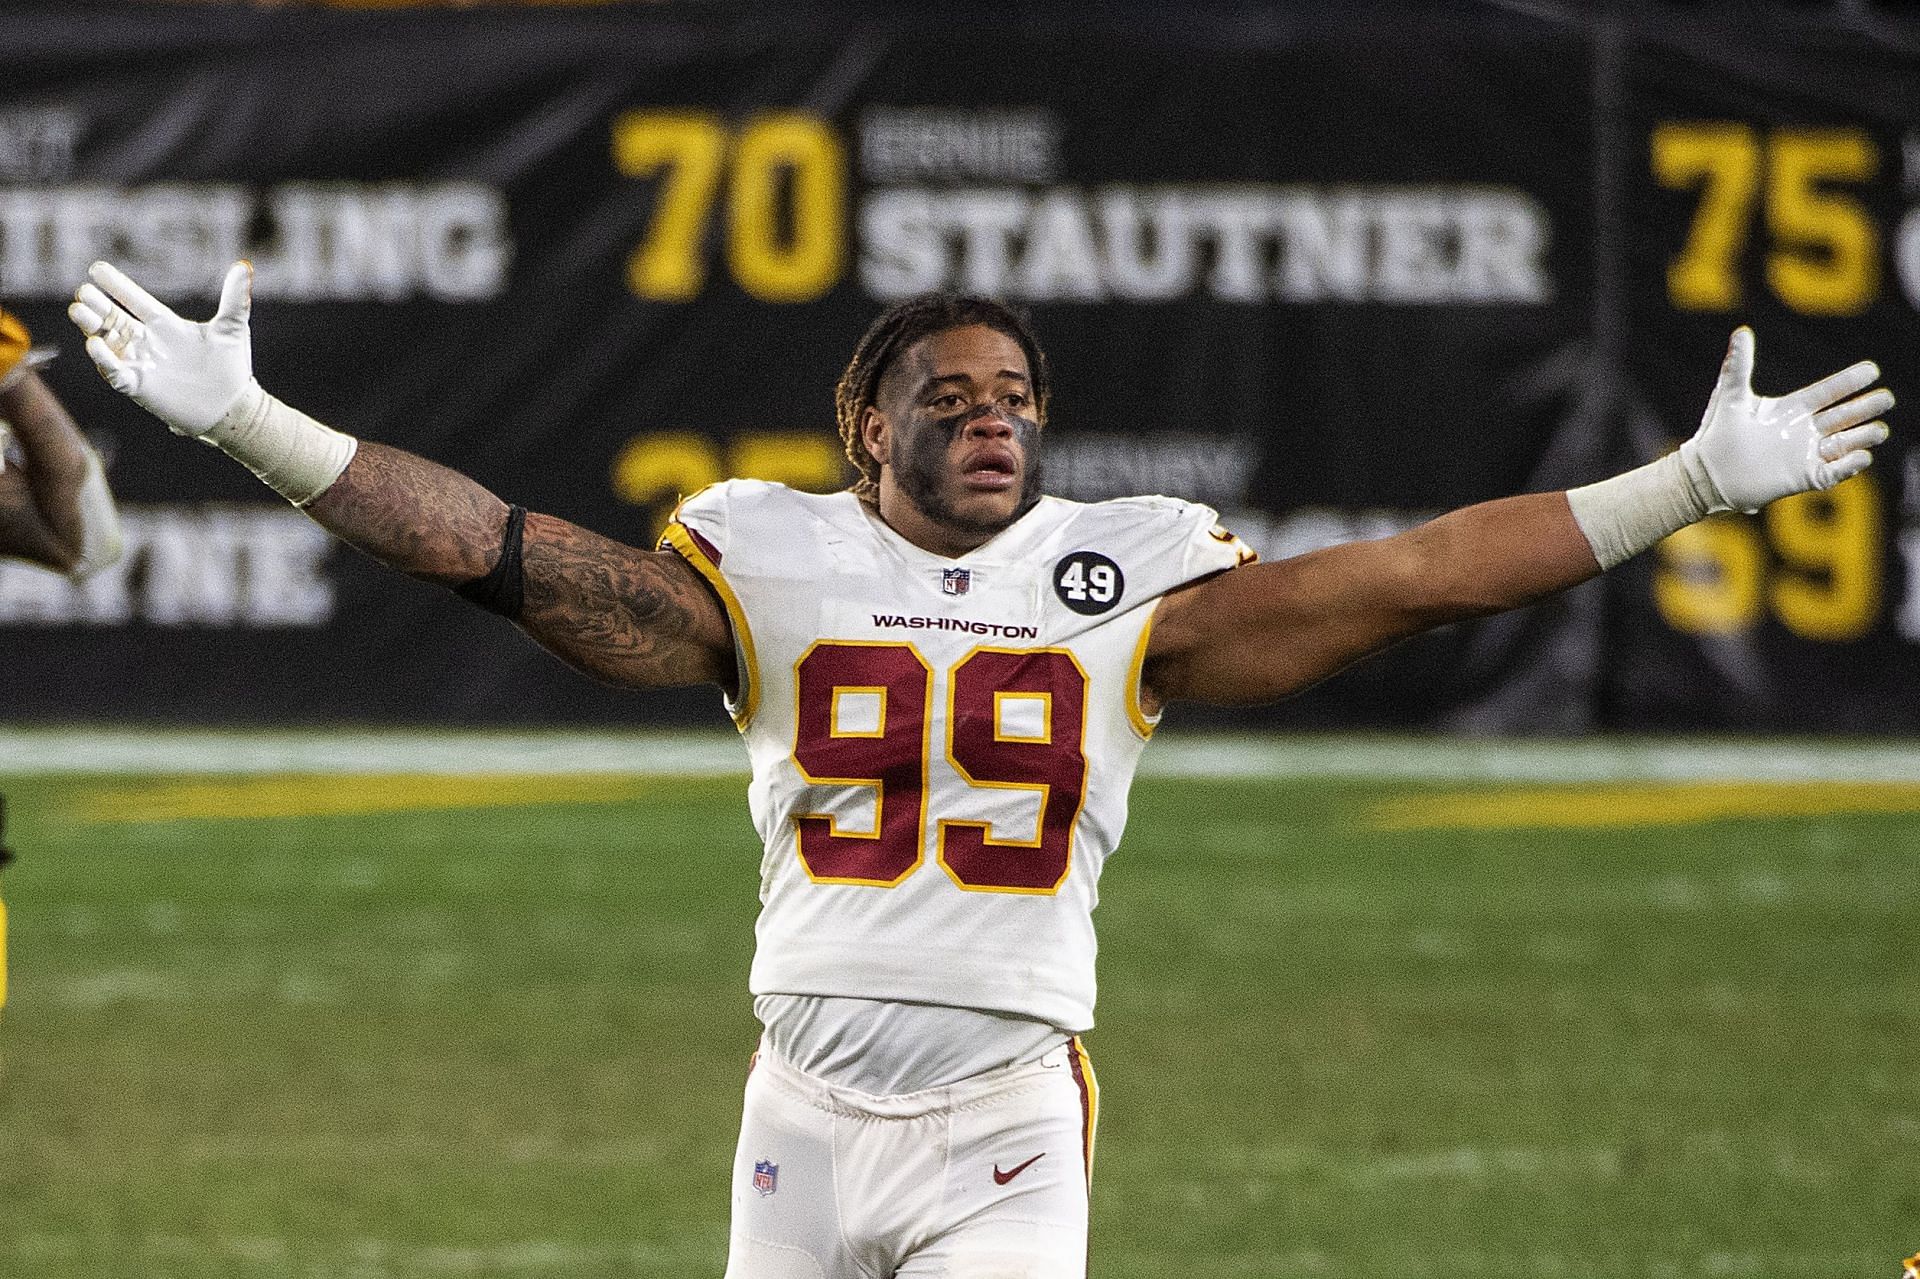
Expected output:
(941, 748)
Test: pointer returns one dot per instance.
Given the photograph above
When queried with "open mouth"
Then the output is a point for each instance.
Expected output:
(991, 470)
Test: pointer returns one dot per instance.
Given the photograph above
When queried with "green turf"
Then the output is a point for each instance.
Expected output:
(511, 1042)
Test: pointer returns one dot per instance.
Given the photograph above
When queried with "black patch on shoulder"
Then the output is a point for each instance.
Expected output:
(1088, 582)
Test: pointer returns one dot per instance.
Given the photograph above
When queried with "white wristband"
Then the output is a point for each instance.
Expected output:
(101, 543)
(1625, 515)
(297, 456)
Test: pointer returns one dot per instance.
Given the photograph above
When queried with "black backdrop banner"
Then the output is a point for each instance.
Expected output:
(1332, 273)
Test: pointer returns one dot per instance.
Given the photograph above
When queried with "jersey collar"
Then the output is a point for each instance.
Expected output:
(1010, 545)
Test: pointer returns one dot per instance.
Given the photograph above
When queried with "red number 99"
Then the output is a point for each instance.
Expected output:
(863, 721)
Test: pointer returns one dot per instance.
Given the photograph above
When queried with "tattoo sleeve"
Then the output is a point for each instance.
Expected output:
(638, 618)
(642, 619)
(413, 515)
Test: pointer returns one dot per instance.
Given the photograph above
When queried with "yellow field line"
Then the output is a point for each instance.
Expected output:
(1678, 804)
(339, 795)
(1507, 808)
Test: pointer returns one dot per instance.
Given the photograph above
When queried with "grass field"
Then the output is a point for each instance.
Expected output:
(1386, 1020)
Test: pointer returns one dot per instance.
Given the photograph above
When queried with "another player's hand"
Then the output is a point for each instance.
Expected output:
(1751, 449)
(186, 374)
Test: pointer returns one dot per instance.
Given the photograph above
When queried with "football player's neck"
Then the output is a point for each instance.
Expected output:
(936, 531)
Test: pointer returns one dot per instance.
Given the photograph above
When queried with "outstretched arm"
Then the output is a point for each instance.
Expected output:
(55, 509)
(1260, 633)
(642, 619)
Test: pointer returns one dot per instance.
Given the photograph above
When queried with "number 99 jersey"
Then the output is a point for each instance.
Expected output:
(941, 748)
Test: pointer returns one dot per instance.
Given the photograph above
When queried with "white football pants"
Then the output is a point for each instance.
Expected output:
(983, 1179)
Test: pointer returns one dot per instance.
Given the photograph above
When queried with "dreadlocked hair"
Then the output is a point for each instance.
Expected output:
(896, 330)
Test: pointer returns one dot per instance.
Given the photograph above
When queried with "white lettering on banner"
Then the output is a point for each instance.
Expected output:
(904, 143)
(220, 566)
(36, 143)
(1906, 254)
(1252, 243)
(1201, 468)
(1907, 620)
(1910, 163)
(326, 241)
(1150, 255)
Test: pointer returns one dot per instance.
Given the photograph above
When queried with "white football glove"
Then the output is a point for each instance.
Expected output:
(1751, 449)
(186, 374)
(198, 379)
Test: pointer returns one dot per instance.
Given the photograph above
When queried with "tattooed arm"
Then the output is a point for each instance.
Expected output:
(632, 617)
(642, 619)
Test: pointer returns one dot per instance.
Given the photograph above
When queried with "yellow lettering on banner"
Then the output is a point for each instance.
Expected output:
(1718, 576)
(1723, 160)
(661, 466)
(803, 260)
(786, 229)
(665, 465)
(692, 147)
(1824, 247)
(807, 460)
(1827, 255)
(1708, 581)
(1830, 546)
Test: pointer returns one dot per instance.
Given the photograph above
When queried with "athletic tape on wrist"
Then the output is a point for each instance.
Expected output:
(297, 457)
(1703, 485)
(101, 542)
(1625, 515)
(502, 590)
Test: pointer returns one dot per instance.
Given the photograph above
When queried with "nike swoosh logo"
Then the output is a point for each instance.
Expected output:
(1002, 1178)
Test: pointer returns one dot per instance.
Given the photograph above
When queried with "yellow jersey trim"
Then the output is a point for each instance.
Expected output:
(1091, 1083)
(1136, 669)
(681, 540)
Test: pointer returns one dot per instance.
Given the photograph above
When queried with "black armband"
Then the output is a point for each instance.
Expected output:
(503, 589)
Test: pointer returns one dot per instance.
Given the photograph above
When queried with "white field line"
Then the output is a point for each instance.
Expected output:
(52, 751)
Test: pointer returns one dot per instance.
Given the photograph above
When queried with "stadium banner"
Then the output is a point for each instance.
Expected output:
(1330, 274)
(1772, 176)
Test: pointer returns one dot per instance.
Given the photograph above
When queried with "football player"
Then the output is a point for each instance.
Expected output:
(55, 510)
(944, 678)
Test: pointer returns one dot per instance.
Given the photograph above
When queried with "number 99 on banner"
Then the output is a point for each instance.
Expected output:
(1815, 562)
(781, 179)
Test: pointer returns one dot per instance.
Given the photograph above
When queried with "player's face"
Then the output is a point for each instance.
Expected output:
(960, 435)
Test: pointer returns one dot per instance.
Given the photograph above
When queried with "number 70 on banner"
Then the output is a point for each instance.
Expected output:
(779, 179)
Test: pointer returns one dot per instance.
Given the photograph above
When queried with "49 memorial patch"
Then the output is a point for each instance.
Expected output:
(1088, 582)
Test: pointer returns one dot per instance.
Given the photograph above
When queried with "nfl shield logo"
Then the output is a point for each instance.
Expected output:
(955, 581)
(766, 1177)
